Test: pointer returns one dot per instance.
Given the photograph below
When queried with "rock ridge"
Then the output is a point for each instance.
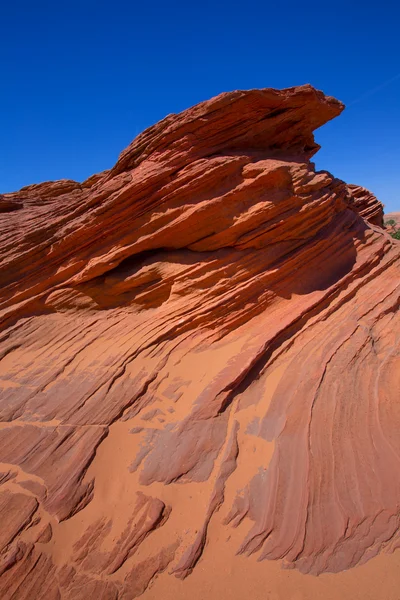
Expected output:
(199, 357)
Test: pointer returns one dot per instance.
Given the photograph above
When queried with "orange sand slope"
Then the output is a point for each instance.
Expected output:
(200, 370)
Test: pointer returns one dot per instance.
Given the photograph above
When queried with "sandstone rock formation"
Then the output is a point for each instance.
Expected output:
(367, 205)
(200, 369)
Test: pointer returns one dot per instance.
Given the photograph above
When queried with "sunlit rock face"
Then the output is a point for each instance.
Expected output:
(199, 361)
(367, 205)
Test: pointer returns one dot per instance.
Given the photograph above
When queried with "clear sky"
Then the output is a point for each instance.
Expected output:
(79, 80)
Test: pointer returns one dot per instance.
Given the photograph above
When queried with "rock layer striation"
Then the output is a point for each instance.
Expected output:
(198, 346)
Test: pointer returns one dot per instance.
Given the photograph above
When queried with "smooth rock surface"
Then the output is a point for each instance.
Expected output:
(200, 369)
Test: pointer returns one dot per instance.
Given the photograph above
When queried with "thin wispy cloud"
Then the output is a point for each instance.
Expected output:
(374, 90)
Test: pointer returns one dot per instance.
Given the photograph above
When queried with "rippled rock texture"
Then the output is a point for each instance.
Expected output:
(199, 355)
(367, 205)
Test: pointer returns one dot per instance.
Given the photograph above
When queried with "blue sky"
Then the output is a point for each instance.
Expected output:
(79, 80)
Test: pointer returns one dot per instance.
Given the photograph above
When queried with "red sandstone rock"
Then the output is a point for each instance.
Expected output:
(199, 362)
(367, 205)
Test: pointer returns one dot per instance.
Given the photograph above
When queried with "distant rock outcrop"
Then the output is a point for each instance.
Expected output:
(200, 361)
(392, 222)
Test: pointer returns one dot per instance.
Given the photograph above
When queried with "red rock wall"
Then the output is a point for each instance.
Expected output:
(200, 344)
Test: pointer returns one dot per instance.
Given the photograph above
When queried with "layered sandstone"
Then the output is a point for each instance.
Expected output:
(367, 205)
(200, 368)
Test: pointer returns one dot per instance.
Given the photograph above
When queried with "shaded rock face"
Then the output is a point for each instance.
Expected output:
(200, 344)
